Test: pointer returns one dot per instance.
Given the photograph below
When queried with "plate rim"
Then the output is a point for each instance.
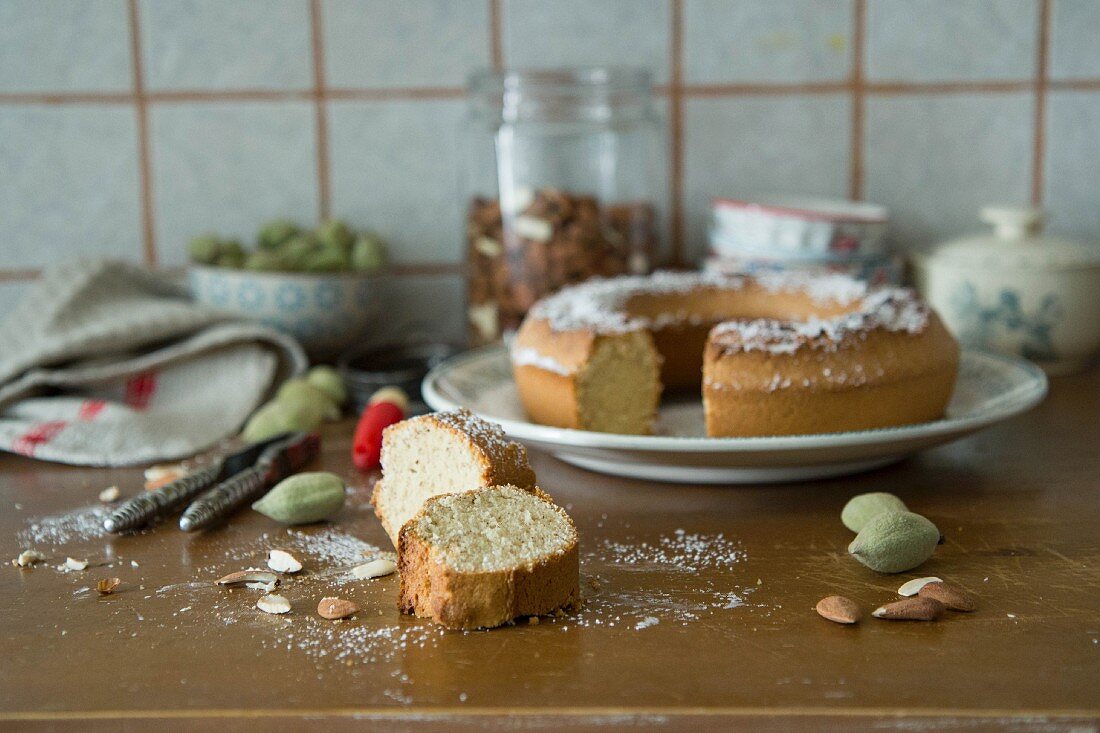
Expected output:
(1006, 405)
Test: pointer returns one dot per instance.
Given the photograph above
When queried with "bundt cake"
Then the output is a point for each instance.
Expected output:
(773, 354)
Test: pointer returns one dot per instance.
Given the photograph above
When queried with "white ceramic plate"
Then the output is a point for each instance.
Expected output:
(989, 389)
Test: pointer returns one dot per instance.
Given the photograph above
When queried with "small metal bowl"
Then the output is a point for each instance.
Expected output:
(369, 368)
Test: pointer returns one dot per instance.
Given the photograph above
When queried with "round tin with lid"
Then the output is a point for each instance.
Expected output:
(1017, 290)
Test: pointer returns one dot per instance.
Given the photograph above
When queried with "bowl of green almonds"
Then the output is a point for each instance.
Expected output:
(319, 285)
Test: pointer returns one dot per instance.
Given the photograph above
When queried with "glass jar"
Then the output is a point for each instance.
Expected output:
(564, 170)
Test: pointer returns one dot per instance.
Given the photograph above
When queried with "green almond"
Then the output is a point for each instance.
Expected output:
(303, 498)
(893, 542)
(863, 508)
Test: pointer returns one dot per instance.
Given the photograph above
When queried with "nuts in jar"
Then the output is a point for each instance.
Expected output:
(551, 238)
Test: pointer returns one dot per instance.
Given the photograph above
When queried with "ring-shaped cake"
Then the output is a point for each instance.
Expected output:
(774, 354)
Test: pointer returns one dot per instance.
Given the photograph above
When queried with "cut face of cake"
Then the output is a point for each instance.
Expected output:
(482, 558)
(443, 453)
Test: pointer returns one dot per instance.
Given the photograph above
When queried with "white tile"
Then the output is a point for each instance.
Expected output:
(226, 44)
(540, 34)
(753, 146)
(935, 159)
(948, 40)
(412, 43)
(62, 46)
(1075, 39)
(228, 167)
(69, 186)
(429, 306)
(11, 293)
(395, 169)
(1072, 170)
(746, 41)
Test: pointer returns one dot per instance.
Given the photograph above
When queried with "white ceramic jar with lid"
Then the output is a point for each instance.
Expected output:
(1017, 290)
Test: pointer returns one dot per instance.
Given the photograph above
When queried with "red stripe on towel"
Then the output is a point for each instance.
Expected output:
(41, 433)
(89, 409)
(140, 389)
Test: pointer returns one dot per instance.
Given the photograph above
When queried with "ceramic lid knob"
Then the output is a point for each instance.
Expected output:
(1013, 222)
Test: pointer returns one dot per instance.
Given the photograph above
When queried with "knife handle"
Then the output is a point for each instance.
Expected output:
(149, 505)
(276, 463)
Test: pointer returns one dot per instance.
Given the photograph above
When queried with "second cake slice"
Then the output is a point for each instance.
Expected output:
(482, 558)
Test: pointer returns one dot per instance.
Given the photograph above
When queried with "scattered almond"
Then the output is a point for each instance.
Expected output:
(912, 587)
(951, 596)
(110, 495)
(336, 608)
(107, 586)
(374, 569)
(74, 564)
(916, 608)
(261, 579)
(282, 561)
(273, 603)
(839, 609)
(162, 475)
(29, 557)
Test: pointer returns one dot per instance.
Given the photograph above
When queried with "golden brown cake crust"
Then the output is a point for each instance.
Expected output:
(503, 461)
(783, 355)
(471, 600)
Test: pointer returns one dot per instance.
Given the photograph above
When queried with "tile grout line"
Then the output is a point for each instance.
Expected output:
(145, 182)
(324, 202)
(496, 50)
(855, 172)
(676, 134)
(1038, 158)
(685, 90)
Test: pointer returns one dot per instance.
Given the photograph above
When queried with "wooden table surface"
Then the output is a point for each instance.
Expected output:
(699, 610)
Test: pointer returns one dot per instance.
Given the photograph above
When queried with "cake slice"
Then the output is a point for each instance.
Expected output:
(443, 453)
(482, 558)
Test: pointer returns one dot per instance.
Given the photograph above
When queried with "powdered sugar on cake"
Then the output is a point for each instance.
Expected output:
(892, 309)
(487, 435)
(600, 305)
(526, 356)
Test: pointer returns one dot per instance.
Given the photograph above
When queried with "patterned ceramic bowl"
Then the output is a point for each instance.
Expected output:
(798, 227)
(325, 312)
(882, 269)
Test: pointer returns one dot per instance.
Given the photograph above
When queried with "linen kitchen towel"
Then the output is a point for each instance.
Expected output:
(108, 364)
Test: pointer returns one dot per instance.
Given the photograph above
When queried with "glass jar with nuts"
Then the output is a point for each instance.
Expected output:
(563, 173)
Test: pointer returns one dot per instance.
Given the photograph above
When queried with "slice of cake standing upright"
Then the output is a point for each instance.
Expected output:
(443, 453)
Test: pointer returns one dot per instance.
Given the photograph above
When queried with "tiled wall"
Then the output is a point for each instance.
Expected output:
(126, 126)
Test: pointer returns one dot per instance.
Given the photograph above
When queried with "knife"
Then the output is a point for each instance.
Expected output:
(150, 505)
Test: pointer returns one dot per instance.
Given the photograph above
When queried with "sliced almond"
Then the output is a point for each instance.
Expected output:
(107, 586)
(951, 596)
(72, 563)
(110, 495)
(912, 587)
(533, 228)
(162, 475)
(334, 608)
(916, 608)
(374, 569)
(839, 609)
(282, 561)
(29, 557)
(263, 579)
(273, 603)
